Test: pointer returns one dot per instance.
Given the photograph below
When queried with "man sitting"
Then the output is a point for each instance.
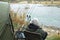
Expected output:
(34, 27)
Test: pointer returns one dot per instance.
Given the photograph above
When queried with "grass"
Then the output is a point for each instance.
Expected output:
(54, 37)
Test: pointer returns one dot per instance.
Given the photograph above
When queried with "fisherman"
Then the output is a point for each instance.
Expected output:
(35, 27)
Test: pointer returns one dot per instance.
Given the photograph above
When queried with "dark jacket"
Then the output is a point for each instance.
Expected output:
(33, 26)
(37, 29)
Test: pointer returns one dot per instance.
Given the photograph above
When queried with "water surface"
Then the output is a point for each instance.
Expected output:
(46, 15)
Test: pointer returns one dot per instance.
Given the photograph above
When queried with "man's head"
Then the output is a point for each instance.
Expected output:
(35, 21)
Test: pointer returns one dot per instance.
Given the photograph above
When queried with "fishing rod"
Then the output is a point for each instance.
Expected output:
(29, 13)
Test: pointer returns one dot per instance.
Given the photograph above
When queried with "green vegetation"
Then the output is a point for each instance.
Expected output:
(5, 0)
(54, 37)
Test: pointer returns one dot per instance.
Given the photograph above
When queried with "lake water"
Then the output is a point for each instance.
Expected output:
(46, 15)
